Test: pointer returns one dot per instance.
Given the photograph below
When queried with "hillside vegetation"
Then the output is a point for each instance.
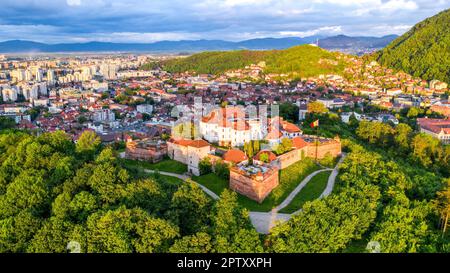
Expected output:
(304, 61)
(301, 61)
(424, 51)
(215, 62)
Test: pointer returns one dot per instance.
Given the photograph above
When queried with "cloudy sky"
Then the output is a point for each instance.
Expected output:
(55, 21)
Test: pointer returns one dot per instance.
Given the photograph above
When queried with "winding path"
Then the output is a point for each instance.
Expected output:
(265, 221)
(332, 178)
(184, 178)
(294, 193)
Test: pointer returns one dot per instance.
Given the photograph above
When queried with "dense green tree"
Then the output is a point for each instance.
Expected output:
(264, 158)
(109, 182)
(328, 225)
(442, 203)
(289, 111)
(27, 191)
(231, 227)
(17, 231)
(215, 62)
(413, 112)
(403, 227)
(88, 143)
(205, 166)
(402, 136)
(283, 147)
(190, 208)
(147, 194)
(222, 169)
(82, 205)
(7, 123)
(375, 132)
(353, 122)
(128, 230)
(256, 146)
(424, 149)
(197, 243)
(54, 236)
(317, 108)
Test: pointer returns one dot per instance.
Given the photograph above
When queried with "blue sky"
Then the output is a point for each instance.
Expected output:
(55, 21)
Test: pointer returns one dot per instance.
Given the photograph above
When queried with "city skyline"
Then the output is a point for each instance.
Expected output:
(68, 21)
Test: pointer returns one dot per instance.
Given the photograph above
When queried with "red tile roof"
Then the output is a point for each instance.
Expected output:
(235, 156)
(299, 142)
(290, 127)
(435, 125)
(191, 143)
(271, 155)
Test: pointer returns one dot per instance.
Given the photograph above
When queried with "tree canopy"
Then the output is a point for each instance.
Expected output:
(424, 51)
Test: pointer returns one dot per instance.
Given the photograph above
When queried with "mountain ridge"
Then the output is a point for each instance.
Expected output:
(344, 41)
(24, 46)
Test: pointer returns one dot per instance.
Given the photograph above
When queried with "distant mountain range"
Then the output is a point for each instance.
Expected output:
(341, 41)
(346, 42)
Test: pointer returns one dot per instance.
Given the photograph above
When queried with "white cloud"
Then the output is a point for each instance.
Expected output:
(73, 2)
(388, 7)
(385, 29)
(328, 30)
(151, 20)
(395, 5)
(233, 3)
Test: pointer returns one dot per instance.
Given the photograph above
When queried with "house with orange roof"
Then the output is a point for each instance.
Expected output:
(290, 130)
(438, 128)
(230, 127)
(443, 109)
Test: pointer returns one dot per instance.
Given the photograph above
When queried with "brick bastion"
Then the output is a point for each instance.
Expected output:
(254, 181)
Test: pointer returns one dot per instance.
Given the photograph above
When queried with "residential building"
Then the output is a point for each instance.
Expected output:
(145, 108)
(104, 115)
(438, 128)
(189, 152)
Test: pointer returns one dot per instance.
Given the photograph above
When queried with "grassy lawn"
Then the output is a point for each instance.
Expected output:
(213, 182)
(289, 179)
(310, 192)
(168, 179)
(171, 180)
(167, 165)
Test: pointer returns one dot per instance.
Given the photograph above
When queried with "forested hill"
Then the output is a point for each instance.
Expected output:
(215, 62)
(424, 51)
(303, 61)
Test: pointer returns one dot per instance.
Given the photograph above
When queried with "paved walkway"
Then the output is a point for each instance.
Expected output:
(332, 178)
(184, 178)
(265, 221)
(294, 193)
